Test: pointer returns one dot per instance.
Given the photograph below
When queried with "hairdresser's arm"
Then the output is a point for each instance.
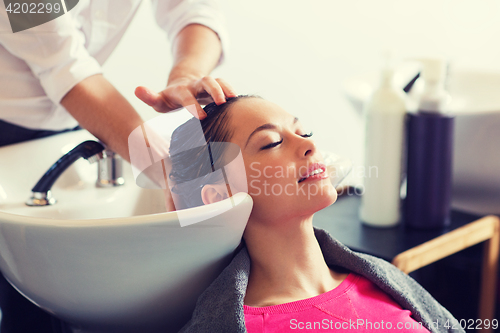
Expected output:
(103, 111)
(197, 50)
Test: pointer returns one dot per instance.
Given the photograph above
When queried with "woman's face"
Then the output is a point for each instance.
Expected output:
(285, 172)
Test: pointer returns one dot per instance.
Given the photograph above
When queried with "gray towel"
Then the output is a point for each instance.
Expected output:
(220, 307)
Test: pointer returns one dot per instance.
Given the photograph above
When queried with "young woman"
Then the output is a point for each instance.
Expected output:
(290, 276)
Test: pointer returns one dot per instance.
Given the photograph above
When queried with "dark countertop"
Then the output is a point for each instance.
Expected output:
(341, 220)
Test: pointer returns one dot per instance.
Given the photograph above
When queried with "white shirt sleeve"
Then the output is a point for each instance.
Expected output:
(54, 51)
(173, 15)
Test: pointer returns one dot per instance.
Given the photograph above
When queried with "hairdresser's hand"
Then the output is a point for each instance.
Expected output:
(187, 91)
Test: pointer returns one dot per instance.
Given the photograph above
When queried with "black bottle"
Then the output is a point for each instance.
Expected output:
(429, 165)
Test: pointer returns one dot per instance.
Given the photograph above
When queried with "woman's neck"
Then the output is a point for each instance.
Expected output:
(286, 264)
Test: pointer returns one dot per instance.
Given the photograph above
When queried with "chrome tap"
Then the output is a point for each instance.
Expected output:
(109, 170)
(41, 195)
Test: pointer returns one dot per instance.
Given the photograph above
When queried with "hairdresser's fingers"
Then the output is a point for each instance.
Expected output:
(211, 86)
(226, 87)
(185, 93)
(149, 97)
(158, 101)
(204, 98)
(170, 99)
(186, 99)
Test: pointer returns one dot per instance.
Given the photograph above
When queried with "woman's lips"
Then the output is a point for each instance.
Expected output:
(315, 171)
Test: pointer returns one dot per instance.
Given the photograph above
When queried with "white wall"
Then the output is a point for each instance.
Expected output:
(297, 53)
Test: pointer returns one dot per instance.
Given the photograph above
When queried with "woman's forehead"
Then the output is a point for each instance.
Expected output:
(254, 112)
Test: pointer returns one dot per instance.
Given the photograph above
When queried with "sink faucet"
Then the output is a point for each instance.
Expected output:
(41, 195)
(109, 171)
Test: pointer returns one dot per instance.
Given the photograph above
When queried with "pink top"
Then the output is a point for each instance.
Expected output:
(356, 305)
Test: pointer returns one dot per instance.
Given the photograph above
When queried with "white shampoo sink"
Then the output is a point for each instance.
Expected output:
(107, 259)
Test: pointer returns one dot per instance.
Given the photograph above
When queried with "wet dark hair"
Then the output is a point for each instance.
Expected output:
(188, 152)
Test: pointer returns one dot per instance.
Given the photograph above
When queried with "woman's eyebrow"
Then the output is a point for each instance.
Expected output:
(260, 128)
(266, 127)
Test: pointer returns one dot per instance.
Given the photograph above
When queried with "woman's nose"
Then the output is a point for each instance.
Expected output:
(306, 147)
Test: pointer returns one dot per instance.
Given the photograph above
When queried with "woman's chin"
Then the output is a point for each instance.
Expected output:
(325, 199)
(331, 199)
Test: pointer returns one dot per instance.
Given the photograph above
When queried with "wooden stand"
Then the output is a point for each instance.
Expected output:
(486, 229)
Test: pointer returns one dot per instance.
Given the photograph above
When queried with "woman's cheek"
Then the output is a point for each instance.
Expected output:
(254, 174)
(236, 174)
(254, 188)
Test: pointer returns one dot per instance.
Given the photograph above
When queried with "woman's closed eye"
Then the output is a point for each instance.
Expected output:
(277, 143)
(271, 145)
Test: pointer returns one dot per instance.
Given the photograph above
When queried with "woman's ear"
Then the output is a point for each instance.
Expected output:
(213, 193)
